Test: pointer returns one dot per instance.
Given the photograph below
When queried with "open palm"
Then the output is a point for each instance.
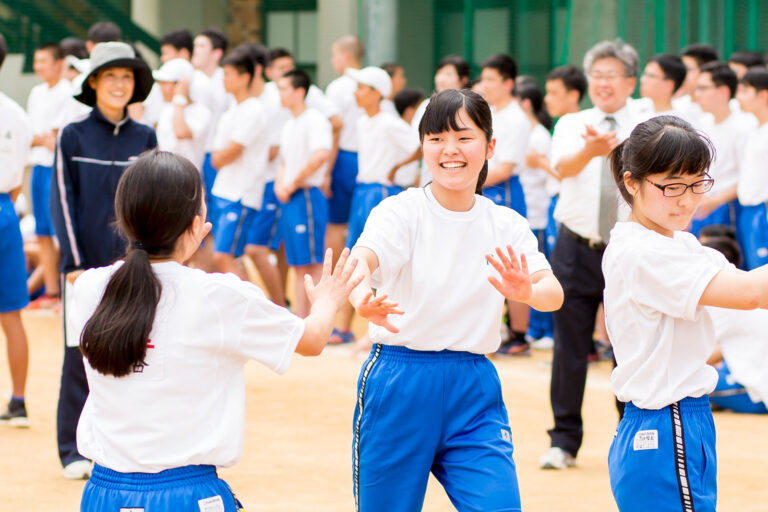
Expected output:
(515, 283)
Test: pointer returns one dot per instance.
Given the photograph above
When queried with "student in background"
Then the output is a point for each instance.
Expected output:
(399, 81)
(47, 107)
(305, 146)
(406, 102)
(694, 56)
(727, 129)
(662, 77)
(752, 189)
(176, 44)
(15, 138)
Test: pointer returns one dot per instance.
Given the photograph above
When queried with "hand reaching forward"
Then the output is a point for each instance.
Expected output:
(515, 281)
(334, 286)
(377, 310)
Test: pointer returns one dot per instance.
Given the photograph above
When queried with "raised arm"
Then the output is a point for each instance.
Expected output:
(541, 291)
(737, 290)
(375, 309)
(326, 297)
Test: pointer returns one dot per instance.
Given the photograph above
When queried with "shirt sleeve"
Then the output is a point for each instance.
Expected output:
(64, 190)
(566, 139)
(387, 233)
(320, 135)
(403, 136)
(197, 118)
(317, 100)
(512, 142)
(248, 126)
(521, 238)
(669, 278)
(269, 333)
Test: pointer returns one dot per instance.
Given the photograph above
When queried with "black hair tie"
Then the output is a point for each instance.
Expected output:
(136, 245)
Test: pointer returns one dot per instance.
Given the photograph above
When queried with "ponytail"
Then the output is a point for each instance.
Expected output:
(156, 201)
(115, 338)
(617, 168)
(481, 178)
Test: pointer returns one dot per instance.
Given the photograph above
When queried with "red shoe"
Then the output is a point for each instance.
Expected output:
(44, 302)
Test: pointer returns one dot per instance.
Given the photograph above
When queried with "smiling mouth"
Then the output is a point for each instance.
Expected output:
(453, 165)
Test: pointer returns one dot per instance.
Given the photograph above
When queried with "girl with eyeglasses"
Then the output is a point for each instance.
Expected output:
(658, 281)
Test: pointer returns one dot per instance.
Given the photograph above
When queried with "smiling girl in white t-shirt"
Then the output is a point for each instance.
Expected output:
(428, 398)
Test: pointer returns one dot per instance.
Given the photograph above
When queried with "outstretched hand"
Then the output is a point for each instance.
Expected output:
(376, 310)
(334, 285)
(515, 281)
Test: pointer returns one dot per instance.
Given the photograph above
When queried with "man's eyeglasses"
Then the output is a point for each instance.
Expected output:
(678, 189)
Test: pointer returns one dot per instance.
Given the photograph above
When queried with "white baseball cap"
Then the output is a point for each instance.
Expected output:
(173, 71)
(372, 77)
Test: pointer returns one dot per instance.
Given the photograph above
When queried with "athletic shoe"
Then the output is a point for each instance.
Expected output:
(557, 458)
(15, 415)
(515, 348)
(543, 343)
(341, 337)
(44, 302)
(78, 470)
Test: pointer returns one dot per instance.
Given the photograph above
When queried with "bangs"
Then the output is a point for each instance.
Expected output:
(680, 152)
(442, 111)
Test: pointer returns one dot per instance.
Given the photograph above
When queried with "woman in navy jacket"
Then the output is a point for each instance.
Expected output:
(91, 155)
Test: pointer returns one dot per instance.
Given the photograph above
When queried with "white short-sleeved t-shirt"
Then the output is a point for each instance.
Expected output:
(384, 141)
(186, 404)
(342, 93)
(302, 136)
(742, 339)
(728, 137)
(210, 90)
(512, 131)
(47, 108)
(753, 179)
(245, 123)
(661, 337)
(534, 181)
(197, 118)
(15, 138)
(689, 109)
(432, 263)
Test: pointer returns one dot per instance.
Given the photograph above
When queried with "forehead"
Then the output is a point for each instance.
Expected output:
(490, 73)
(607, 64)
(282, 61)
(653, 66)
(555, 84)
(202, 40)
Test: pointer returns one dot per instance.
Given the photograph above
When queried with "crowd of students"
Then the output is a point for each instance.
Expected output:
(290, 171)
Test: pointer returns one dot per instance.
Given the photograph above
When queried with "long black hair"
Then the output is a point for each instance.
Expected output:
(156, 201)
(663, 144)
(526, 88)
(441, 116)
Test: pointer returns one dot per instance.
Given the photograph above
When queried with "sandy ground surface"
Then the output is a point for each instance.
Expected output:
(299, 430)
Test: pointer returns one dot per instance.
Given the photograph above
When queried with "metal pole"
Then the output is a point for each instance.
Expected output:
(469, 31)
(660, 26)
(684, 21)
(752, 15)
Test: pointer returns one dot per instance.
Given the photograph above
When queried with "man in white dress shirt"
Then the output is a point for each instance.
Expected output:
(587, 210)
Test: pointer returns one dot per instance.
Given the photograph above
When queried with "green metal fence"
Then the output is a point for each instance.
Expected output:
(26, 24)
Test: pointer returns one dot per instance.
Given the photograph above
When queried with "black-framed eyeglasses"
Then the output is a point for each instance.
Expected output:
(678, 189)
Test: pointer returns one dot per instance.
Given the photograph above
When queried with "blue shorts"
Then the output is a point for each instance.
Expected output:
(302, 224)
(231, 227)
(664, 460)
(541, 323)
(509, 193)
(552, 226)
(365, 198)
(725, 214)
(184, 489)
(343, 182)
(440, 412)
(263, 228)
(209, 176)
(41, 200)
(731, 395)
(753, 235)
(13, 265)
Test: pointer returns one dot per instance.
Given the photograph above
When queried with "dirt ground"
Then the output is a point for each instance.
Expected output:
(297, 454)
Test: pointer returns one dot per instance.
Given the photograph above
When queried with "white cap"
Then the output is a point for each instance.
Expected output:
(173, 71)
(372, 77)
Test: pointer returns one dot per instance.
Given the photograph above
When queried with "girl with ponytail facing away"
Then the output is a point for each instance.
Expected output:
(429, 400)
(660, 283)
(165, 345)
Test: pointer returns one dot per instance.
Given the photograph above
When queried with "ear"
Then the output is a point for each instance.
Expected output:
(630, 183)
(632, 82)
(491, 149)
